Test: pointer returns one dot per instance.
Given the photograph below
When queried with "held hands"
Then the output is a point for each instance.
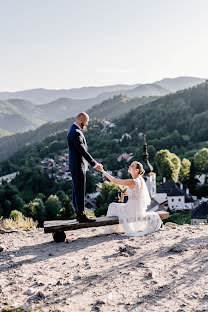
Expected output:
(99, 167)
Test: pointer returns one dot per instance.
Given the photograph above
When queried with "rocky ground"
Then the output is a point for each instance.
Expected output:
(164, 271)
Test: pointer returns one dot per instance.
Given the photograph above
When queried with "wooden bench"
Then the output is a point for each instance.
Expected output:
(57, 227)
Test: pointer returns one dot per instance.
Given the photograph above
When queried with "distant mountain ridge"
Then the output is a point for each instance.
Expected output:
(175, 84)
(108, 109)
(185, 111)
(19, 115)
(44, 96)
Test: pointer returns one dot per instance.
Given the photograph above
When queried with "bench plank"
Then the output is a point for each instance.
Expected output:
(69, 225)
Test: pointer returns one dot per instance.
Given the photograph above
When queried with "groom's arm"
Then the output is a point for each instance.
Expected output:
(80, 146)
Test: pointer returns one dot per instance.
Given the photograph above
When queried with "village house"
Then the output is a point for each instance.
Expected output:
(90, 200)
(125, 156)
(125, 136)
(8, 177)
(200, 214)
(205, 198)
(201, 179)
(61, 167)
(175, 196)
(48, 163)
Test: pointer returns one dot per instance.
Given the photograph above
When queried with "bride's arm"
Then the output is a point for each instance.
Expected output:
(126, 182)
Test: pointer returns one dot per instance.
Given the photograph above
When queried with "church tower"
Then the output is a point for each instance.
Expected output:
(149, 176)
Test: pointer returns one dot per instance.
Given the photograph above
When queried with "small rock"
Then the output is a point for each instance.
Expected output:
(50, 254)
(58, 283)
(97, 305)
(140, 264)
(29, 292)
(122, 249)
(67, 283)
(171, 224)
(132, 239)
(92, 277)
(77, 277)
(127, 251)
(205, 297)
(40, 295)
(151, 275)
(2, 248)
(2, 231)
(178, 248)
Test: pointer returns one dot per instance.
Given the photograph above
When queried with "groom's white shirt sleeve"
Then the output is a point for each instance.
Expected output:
(96, 164)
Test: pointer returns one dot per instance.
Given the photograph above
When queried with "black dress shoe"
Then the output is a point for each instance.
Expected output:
(84, 218)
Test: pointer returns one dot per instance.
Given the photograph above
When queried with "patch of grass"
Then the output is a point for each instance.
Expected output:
(21, 222)
(90, 214)
(179, 218)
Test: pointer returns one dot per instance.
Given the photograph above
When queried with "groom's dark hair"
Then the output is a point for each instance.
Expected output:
(82, 114)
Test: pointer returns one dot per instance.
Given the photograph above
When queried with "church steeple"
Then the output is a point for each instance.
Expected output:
(146, 164)
(145, 152)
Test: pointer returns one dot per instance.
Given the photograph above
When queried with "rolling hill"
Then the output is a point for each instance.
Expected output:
(117, 106)
(44, 96)
(179, 83)
(108, 109)
(177, 122)
(19, 115)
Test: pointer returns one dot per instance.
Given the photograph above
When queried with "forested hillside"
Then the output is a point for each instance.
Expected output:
(177, 122)
(117, 106)
(108, 109)
(19, 115)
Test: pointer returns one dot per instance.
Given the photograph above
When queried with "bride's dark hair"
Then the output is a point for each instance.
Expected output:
(140, 167)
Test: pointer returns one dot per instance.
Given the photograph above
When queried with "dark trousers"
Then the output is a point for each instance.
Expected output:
(78, 188)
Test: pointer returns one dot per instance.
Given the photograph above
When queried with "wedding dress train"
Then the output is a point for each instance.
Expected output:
(134, 220)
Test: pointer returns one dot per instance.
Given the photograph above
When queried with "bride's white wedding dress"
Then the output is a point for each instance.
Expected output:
(134, 220)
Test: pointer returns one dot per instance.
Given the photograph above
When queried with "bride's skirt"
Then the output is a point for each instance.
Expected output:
(130, 223)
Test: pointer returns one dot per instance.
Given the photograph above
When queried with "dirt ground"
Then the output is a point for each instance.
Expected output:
(163, 271)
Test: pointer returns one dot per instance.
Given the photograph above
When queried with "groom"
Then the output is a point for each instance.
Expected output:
(78, 164)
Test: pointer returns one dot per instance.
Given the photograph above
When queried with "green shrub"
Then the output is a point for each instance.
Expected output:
(15, 215)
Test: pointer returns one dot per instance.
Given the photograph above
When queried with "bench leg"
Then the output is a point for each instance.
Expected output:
(59, 236)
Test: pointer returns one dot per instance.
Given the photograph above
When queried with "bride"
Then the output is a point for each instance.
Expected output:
(134, 220)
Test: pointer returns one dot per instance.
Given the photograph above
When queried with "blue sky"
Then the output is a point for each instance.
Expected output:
(72, 43)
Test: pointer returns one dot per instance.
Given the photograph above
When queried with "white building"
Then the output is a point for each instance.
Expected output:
(205, 199)
(201, 178)
(8, 177)
(176, 197)
(200, 214)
